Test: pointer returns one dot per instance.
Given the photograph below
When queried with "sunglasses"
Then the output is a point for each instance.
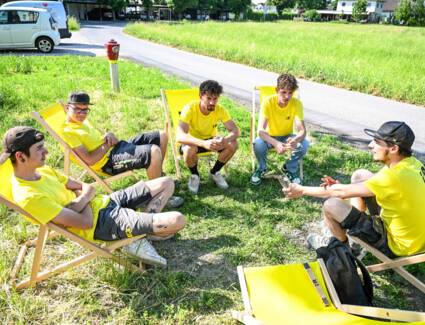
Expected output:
(79, 110)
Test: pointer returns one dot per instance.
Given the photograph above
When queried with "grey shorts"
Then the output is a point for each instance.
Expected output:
(368, 228)
(132, 154)
(119, 219)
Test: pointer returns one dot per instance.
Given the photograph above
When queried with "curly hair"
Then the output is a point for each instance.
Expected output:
(210, 86)
(287, 81)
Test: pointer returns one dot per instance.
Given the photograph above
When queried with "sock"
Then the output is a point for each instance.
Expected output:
(218, 165)
(194, 170)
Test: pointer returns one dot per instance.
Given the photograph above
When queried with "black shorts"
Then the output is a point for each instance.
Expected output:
(368, 228)
(132, 154)
(119, 219)
(200, 149)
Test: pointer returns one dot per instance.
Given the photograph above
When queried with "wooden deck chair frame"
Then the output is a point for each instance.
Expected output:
(68, 151)
(254, 128)
(51, 230)
(394, 264)
(170, 127)
(247, 317)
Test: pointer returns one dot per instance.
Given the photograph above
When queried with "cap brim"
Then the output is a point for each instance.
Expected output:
(3, 157)
(371, 133)
(80, 103)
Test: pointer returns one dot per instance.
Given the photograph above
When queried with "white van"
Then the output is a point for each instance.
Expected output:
(56, 9)
(22, 27)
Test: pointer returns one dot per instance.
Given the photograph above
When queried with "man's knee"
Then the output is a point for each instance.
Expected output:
(361, 175)
(189, 151)
(177, 220)
(163, 136)
(232, 146)
(156, 154)
(336, 209)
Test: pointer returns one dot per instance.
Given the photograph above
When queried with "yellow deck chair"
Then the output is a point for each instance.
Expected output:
(395, 264)
(48, 231)
(264, 91)
(286, 294)
(52, 119)
(173, 101)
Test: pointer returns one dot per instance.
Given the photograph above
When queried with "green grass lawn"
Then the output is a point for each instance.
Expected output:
(382, 60)
(245, 225)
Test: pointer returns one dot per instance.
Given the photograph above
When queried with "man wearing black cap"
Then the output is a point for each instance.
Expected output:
(393, 197)
(105, 153)
(50, 196)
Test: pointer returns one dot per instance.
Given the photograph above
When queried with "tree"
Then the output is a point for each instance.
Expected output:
(181, 5)
(311, 4)
(359, 10)
(237, 6)
(282, 4)
(410, 12)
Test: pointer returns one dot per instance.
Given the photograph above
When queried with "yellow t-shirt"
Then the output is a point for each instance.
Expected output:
(280, 120)
(46, 197)
(399, 191)
(203, 126)
(84, 134)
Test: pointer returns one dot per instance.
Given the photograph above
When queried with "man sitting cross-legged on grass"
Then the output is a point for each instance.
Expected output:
(197, 132)
(105, 153)
(50, 196)
(394, 197)
(275, 129)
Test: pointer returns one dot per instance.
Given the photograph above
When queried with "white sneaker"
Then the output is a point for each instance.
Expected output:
(146, 252)
(220, 181)
(193, 183)
(315, 241)
(175, 202)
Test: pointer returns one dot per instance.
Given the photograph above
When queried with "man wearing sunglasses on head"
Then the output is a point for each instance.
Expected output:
(105, 153)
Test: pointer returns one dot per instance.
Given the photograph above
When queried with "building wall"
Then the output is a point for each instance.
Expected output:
(372, 6)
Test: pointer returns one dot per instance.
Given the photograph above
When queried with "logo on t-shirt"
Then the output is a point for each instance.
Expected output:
(423, 173)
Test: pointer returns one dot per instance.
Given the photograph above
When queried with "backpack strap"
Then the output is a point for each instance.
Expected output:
(316, 284)
(367, 281)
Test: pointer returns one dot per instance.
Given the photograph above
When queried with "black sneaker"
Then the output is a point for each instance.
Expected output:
(256, 177)
(293, 177)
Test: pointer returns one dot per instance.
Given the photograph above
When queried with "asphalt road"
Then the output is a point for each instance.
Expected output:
(336, 110)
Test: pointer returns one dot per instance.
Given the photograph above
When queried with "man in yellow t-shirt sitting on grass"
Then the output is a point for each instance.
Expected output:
(278, 115)
(49, 196)
(393, 197)
(197, 132)
(105, 153)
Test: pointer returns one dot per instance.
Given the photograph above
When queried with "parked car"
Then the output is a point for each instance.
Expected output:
(22, 27)
(56, 9)
(96, 13)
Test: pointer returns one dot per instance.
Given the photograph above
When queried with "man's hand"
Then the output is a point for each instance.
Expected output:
(328, 181)
(291, 144)
(110, 139)
(220, 142)
(293, 191)
(281, 148)
(211, 145)
(89, 191)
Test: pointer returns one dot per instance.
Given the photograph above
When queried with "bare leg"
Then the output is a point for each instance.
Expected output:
(334, 212)
(359, 176)
(190, 156)
(167, 223)
(228, 152)
(155, 168)
(161, 190)
(163, 144)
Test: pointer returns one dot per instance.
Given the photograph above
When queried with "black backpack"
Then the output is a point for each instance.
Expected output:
(342, 268)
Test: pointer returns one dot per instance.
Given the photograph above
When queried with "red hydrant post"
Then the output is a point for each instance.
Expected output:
(113, 51)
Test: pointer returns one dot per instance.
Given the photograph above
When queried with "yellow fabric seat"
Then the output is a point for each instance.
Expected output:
(50, 230)
(285, 294)
(173, 101)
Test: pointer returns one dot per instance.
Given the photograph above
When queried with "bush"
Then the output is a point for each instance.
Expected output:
(311, 15)
(259, 16)
(73, 24)
(287, 15)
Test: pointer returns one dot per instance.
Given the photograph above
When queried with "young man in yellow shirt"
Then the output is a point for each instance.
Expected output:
(279, 113)
(50, 196)
(197, 132)
(105, 153)
(393, 197)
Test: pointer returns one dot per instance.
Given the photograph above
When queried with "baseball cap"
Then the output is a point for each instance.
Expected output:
(19, 138)
(395, 132)
(79, 97)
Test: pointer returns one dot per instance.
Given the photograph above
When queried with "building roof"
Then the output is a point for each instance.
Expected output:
(390, 5)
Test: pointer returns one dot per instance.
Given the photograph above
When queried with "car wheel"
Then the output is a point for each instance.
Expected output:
(44, 44)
